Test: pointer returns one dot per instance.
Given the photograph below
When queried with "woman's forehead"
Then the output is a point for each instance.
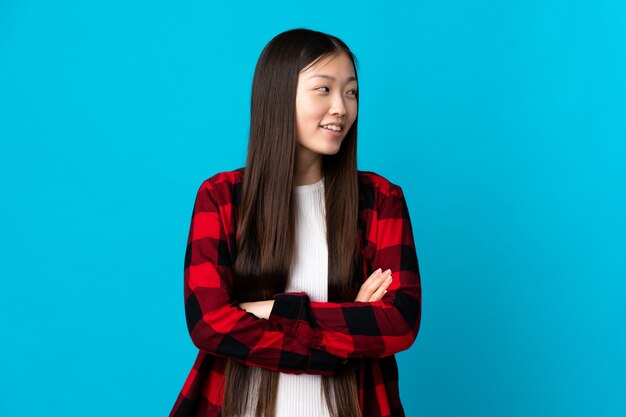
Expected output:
(330, 66)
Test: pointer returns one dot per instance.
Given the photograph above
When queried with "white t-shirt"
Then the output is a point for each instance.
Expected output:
(301, 395)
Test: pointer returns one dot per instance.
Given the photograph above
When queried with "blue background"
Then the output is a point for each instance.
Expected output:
(504, 123)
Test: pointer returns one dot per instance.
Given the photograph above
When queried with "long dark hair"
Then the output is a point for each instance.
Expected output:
(265, 226)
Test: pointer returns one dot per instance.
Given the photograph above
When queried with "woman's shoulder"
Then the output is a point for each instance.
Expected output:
(227, 177)
(223, 186)
(378, 183)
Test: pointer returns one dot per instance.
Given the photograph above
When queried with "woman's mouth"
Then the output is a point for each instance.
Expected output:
(334, 131)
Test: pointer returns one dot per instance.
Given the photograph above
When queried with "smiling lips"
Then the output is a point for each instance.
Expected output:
(333, 126)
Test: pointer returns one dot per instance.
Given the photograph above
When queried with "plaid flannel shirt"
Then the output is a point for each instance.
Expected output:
(300, 336)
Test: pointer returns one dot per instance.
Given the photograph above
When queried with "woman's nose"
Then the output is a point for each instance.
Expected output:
(338, 106)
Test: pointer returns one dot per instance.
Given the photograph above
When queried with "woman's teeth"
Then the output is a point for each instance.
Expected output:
(332, 127)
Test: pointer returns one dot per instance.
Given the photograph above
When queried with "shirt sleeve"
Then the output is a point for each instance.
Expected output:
(365, 329)
(215, 321)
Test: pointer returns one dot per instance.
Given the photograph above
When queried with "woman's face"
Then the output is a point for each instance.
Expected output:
(326, 104)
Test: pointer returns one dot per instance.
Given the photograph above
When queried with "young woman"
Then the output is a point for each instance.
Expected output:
(301, 275)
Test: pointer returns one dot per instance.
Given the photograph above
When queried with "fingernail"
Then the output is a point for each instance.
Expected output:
(388, 271)
(378, 270)
(389, 279)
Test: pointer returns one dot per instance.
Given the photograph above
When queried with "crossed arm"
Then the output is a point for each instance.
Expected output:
(372, 289)
(290, 333)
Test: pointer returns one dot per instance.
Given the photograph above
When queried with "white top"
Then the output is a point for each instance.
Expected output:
(301, 395)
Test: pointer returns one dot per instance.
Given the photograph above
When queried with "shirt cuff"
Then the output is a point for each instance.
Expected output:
(291, 315)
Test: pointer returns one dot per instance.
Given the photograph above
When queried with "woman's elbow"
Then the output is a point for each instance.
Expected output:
(204, 338)
(410, 313)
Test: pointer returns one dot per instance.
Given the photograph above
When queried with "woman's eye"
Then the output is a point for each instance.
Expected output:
(326, 90)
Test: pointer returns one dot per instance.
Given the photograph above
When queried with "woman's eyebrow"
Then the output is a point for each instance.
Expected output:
(330, 77)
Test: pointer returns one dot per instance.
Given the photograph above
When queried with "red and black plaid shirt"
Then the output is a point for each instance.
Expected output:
(300, 336)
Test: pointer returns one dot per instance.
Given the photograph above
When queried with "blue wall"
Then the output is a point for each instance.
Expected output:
(504, 124)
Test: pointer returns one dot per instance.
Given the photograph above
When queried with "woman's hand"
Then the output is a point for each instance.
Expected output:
(261, 309)
(375, 286)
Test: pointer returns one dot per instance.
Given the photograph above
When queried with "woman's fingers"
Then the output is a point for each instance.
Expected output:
(380, 292)
(373, 284)
(366, 290)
